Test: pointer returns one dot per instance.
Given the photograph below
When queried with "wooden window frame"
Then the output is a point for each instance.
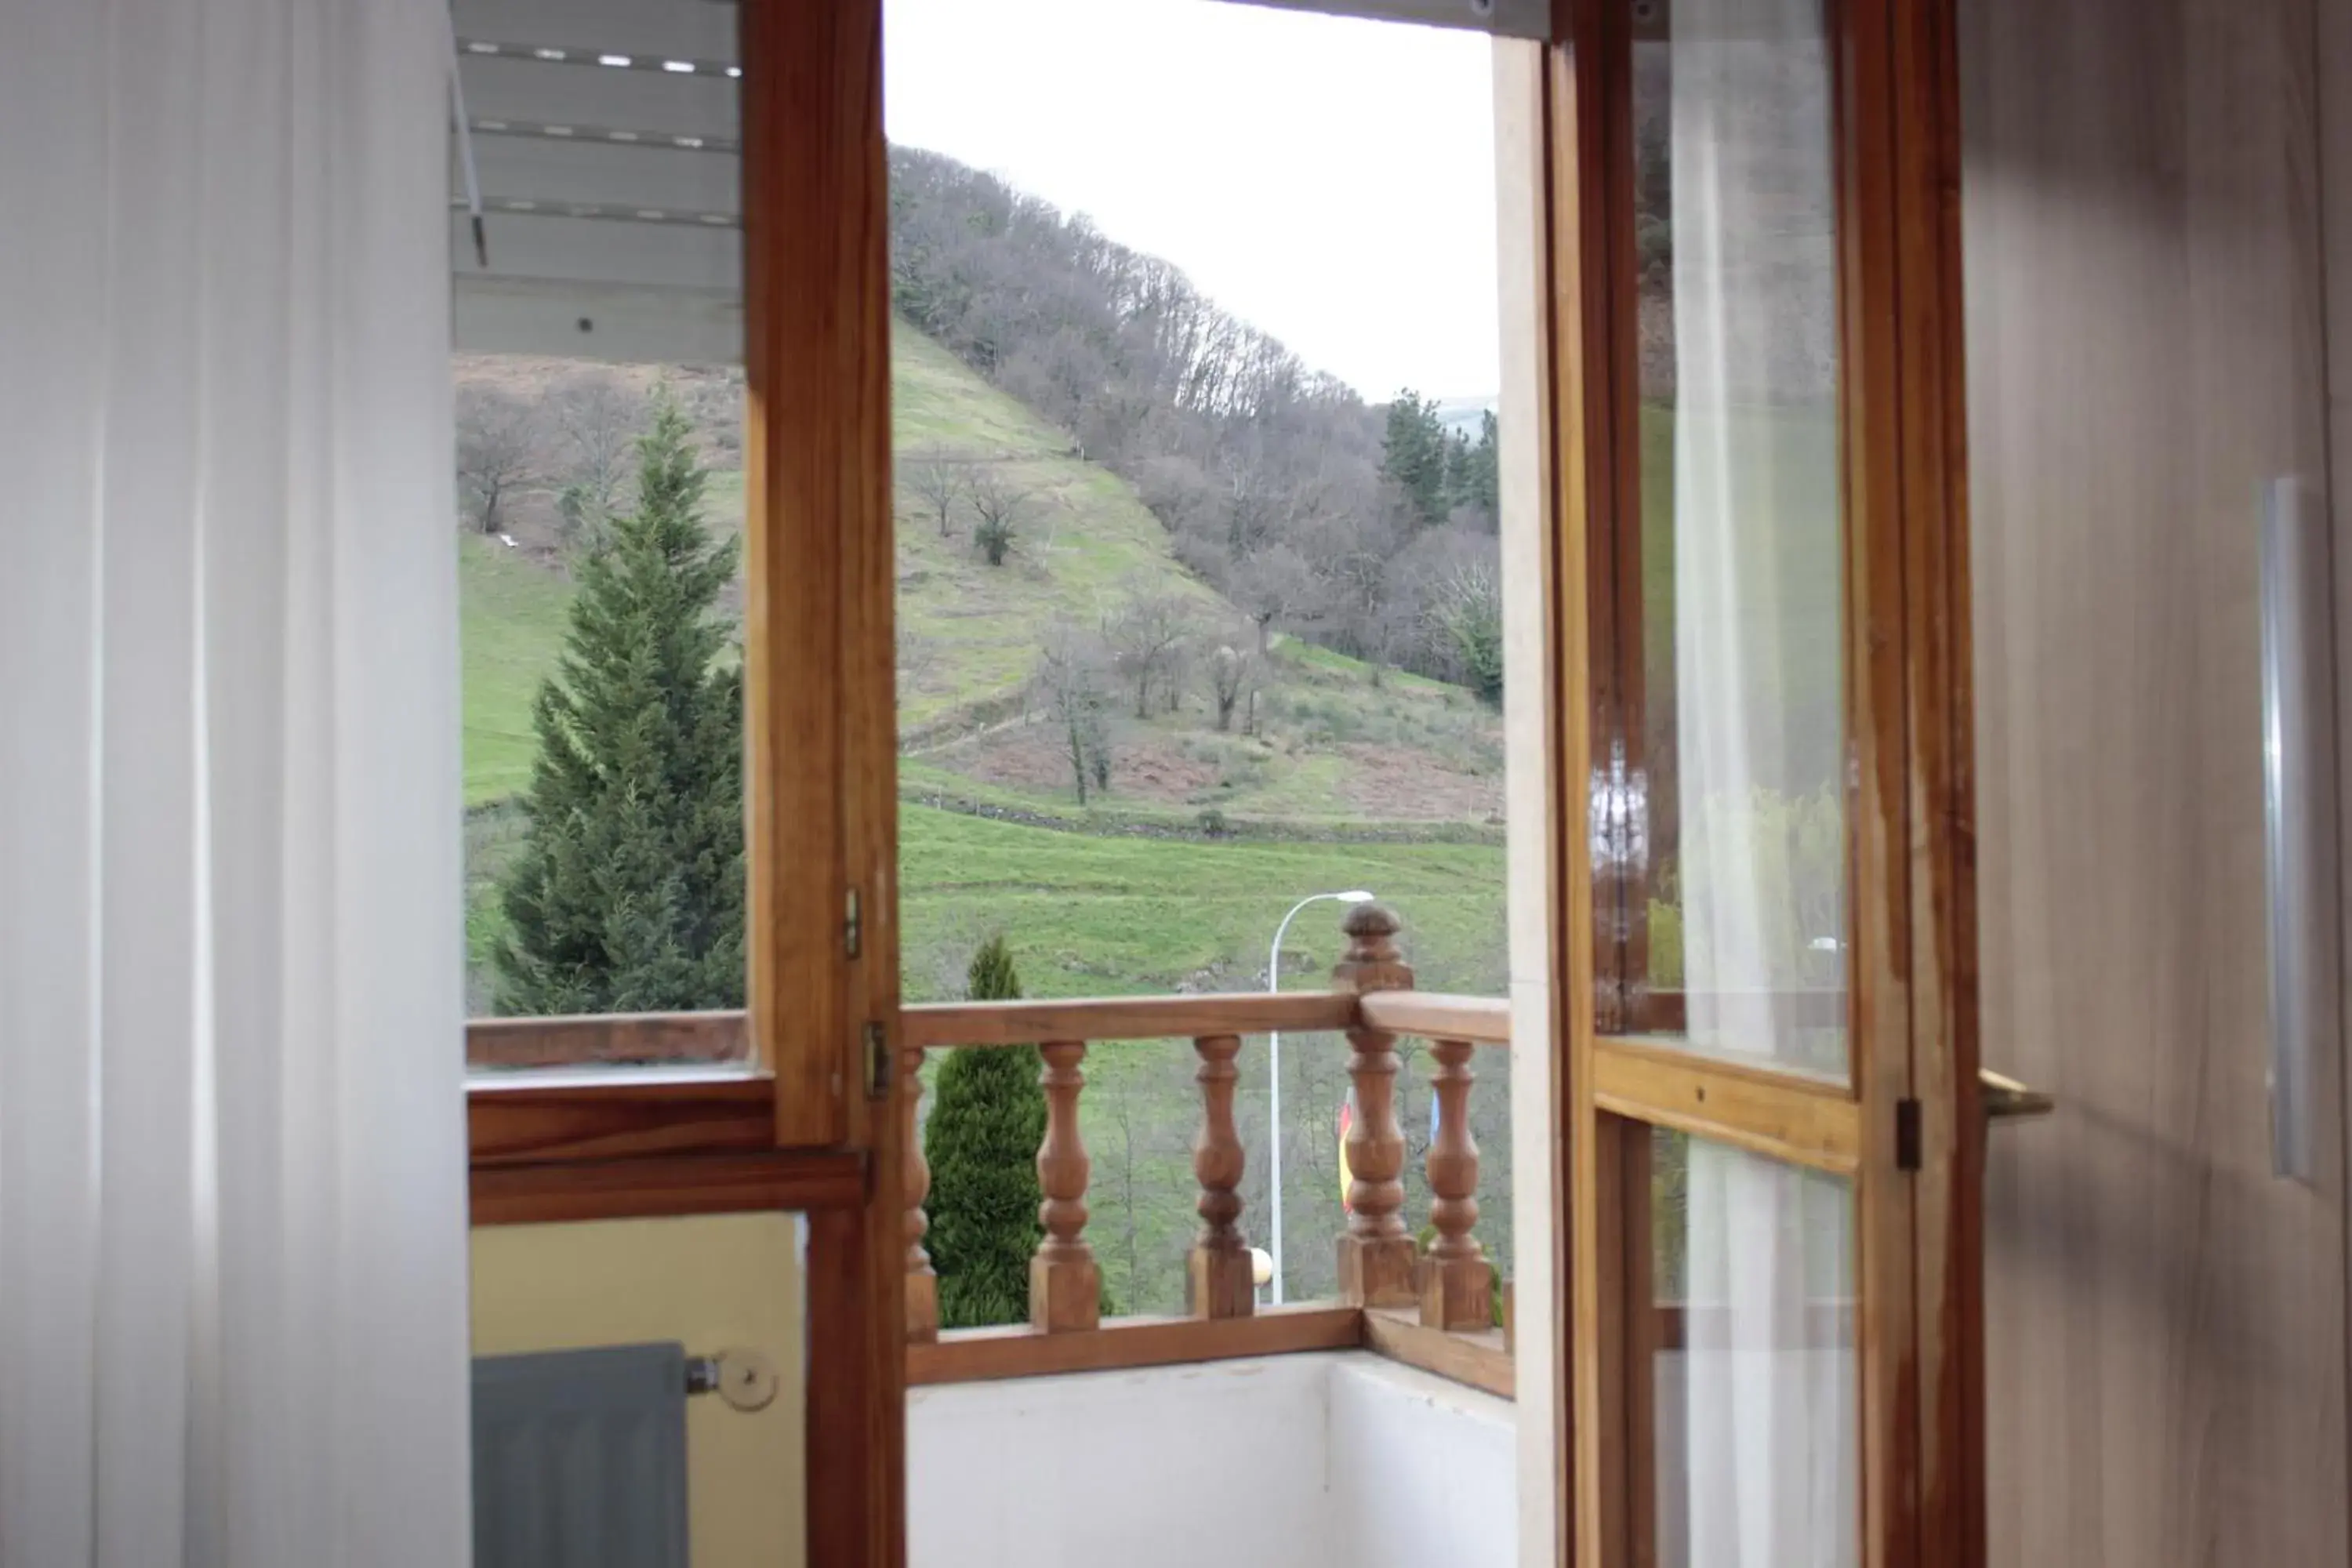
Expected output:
(798, 1128)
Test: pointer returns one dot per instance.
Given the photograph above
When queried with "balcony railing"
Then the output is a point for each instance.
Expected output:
(1433, 1307)
(1392, 1295)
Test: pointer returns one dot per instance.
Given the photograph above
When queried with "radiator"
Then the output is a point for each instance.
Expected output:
(580, 1459)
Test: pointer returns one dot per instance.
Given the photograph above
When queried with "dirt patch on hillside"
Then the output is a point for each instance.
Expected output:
(1405, 785)
(1031, 756)
(1380, 782)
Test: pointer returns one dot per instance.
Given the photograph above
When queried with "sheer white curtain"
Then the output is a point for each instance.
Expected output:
(1770, 1391)
(232, 1155)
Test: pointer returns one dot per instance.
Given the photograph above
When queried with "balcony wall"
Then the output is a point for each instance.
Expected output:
(1282, 1462)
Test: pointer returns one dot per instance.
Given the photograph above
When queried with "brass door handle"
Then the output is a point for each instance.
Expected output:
(2004, 1096)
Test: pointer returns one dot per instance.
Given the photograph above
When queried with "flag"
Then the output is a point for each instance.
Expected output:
(1347, 1120)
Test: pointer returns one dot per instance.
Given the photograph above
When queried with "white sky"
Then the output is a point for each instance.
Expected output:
(1330, 181)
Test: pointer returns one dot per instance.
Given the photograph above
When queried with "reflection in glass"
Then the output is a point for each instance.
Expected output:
(1740, 549)
(1754, 1374)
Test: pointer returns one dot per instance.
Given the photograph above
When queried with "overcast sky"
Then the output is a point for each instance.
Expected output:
(1330, 181)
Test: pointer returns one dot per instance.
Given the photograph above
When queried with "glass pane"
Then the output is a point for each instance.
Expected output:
(1753, 1372)
(596, 257)
(583, 1441)
(1741, 558)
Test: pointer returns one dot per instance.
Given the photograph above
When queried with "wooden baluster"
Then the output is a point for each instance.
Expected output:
(1065, 1286)
(922, 1283)
(1457, 1289)
(1218, 1282)
(1377, 1255)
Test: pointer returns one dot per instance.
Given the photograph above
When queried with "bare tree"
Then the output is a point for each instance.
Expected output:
(498, 442)
(935, 481)
(1146, 635)
(1465, 618)
(597, 420)
(1073, 684)
(1176, 673)
(1272, 586)
(919, 657)
(1001, 505)
(1233, 674)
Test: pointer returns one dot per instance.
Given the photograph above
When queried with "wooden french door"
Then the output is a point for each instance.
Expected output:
(1772, 1127)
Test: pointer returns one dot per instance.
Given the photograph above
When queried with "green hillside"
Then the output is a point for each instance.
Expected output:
(1339, 744)
(1089, 537)
(1354, 775)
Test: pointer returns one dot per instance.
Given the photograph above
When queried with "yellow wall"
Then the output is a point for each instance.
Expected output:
(712, 1283)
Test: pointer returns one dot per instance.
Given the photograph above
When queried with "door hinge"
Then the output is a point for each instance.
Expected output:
(853, 925)
(1906, 1135)
(877, 1062)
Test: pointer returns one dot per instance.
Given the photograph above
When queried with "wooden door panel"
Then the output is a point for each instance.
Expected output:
(1813, 1032)
(2165, 1333)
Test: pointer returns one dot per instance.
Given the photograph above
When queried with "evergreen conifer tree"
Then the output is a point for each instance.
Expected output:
(1413, 454)
(1485, 474)
(627, 893)
(988, 1116)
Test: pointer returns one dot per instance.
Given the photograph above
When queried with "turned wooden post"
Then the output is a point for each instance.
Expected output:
(1376, 1254)
(1217, 1283)
(922, 1283)
(1457, 1290)
(1065, 1286)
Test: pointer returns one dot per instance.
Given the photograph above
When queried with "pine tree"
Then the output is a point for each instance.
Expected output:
(627, 894)
(1413, 454)
(988, 1116)
(1459, 479)
(1486, 472)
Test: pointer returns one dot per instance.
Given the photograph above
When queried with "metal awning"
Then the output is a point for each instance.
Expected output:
(597, 145)
(605, 142)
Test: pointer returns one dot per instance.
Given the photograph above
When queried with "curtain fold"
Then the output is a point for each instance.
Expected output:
(232, 1142)
(1770, 1398)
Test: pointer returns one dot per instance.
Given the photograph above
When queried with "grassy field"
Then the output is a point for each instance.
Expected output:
(1093, 915)
(511, 616)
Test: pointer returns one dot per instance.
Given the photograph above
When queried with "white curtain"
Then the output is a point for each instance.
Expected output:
(232, 1152)
(1769, 1395)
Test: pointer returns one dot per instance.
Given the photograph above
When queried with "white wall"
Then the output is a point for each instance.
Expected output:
(1424, 1471)
(1283, 1462)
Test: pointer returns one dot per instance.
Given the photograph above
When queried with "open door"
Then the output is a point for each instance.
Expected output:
(1770, 1118)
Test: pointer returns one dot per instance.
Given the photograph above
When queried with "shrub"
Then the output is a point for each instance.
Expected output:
(987, 1121)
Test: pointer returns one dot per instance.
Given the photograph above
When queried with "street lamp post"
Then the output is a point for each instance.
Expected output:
(1273, 1066)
